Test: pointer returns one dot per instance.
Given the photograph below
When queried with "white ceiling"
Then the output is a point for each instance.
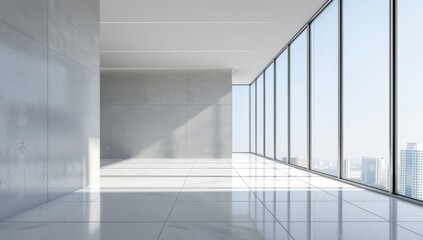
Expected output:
(243, 35)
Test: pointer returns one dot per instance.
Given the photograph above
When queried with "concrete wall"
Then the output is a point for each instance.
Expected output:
(49, 100)
(166, 113)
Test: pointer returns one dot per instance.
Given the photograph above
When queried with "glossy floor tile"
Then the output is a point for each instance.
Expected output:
(244, 197)
(153, 172)
(201, 172)
(97, 211)
(321, 212)
(224, 230)
(215, 182)
(348, 231)
(295, 195)
(220, 212)
(217, 195)
(143, 182)
(81, 231)
(212, 165)
(138, 195)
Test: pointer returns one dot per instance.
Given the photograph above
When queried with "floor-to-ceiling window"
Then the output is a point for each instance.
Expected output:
(260, 115)
(324, 91)
(269, 83)
(410, 99)
(253, 117)
(281, 85)
(298, 101)
(366, 91)
(362, 118)
(240, 118)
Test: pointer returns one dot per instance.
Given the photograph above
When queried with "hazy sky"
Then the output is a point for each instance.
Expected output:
(269, 110)
(366, 78)
(324, 85)
(240, 116)
(365, 82)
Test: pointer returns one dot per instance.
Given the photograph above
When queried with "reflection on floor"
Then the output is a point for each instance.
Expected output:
(245, 197)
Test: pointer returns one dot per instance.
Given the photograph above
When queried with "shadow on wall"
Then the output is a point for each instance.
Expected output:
(166, 113)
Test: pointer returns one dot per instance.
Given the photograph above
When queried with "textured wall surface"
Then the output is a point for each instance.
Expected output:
(49, 100)
(166, 113)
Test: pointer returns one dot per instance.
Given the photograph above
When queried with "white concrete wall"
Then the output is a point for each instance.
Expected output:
(49, 100)
(166, 113)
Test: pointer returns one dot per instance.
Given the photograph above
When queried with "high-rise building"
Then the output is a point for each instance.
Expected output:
(346, 168)
(411, 171)
(374, 171)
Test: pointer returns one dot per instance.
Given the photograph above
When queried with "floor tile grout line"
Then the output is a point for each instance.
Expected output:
(265, 205)
(388, 220)
(349, 202)
(407, 229)
(97, 198)
(343, 200)
(299, 178)
(174, 203)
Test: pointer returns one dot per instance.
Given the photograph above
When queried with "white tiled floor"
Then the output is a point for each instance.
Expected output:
(242, 198)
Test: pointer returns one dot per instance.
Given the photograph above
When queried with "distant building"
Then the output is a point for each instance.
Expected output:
(355, 174)
(346, 169)
(374, 171)
(411, 171)
(299, 161)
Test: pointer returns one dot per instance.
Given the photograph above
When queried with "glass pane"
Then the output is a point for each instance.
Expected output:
(282, 107)
(240, 118)
(366, 91)
(410, 99)
(253, 117)
(269, 79)
(298, 85)
(324, 91)
(260, 115)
